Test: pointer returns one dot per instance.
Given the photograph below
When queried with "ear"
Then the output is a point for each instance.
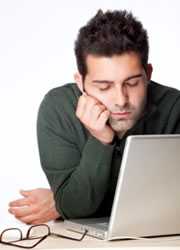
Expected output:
(149, 71)
(78, 79)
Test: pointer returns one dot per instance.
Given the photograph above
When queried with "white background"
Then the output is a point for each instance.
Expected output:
(36, 54)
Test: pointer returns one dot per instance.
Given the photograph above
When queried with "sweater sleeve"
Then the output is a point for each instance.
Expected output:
(78, 178)
(173, 125)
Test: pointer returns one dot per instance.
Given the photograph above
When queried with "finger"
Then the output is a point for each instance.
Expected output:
(92, 105)
(84, 104)
(94, 99)
(32, 221)
(29, 195)
(22, 211)
(90, 100)
(25, 193)
(42, 216)
(104, 116)
(81, 106)
(99, 108)
(39, 218)
(35, 218)
(27, 219)
(19, 202)
(38, 221)
(96, 112)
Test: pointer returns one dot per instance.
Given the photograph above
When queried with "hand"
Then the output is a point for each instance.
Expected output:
(94, 116)
(36, 207)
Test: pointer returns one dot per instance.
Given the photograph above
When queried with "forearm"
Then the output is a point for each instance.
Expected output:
(77, 166)
(82, 193)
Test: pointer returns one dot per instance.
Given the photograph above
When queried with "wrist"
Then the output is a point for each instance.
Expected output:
(110, 141)
(105, 138)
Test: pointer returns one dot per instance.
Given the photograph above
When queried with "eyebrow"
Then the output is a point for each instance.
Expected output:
(125, 80)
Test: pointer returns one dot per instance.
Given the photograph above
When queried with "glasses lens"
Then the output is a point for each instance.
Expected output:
(11, 235)
(38, 231)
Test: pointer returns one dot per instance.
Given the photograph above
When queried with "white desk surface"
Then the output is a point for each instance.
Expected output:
(51, 242)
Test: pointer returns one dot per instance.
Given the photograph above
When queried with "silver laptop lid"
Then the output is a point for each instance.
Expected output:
(147, 197)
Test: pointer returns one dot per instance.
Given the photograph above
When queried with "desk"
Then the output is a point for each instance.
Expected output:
(51, 242)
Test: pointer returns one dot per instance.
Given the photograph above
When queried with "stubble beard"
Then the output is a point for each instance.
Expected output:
(120, 126)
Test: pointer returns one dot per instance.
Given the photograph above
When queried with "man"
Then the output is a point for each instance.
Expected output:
(82, 127)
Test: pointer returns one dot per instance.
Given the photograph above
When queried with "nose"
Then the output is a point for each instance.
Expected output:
(121, 96)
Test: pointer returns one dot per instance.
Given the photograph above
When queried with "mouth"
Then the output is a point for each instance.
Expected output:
(123, 114)
(120, 115)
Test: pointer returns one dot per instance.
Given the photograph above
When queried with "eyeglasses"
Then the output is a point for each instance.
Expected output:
(14, 236)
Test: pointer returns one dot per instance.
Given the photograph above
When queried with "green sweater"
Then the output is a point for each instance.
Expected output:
(81, 171)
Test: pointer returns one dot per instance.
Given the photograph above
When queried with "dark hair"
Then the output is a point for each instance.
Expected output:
(108, 34)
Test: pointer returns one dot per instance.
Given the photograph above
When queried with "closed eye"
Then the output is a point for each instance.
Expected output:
(104, 88)
(132, 84)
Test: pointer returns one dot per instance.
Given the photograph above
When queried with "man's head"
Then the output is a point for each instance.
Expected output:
(112, 59)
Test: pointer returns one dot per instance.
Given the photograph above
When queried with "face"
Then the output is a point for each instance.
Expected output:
(120, 83)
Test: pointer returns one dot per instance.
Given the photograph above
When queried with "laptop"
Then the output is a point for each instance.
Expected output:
(147, 196)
